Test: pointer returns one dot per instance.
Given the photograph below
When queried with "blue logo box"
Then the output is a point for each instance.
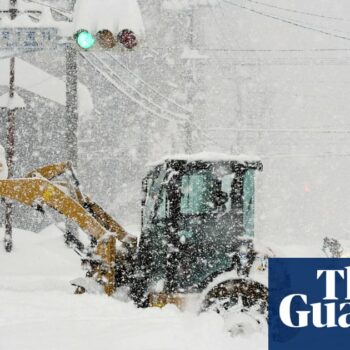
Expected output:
(309, 304)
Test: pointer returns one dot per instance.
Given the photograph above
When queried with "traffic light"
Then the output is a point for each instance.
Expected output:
(105, 39)
(84, 39)
(127, 38)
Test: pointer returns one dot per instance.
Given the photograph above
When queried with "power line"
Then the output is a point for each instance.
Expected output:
(320, 27)
(176, 116)
(319, 62)
(288, 131)
(219, 49)
(280, 19)
(148, 85)
(299, 12)
(272, 50)
(120, 89)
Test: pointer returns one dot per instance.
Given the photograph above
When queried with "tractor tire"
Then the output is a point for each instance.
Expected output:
(242, 303)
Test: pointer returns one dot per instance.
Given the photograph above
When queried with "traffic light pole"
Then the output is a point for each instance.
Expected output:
(71, 124)
(10, 153)
(72, 104)
(10, 144)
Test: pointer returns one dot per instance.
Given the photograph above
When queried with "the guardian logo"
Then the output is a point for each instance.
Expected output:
(309, 304)
(325, 309)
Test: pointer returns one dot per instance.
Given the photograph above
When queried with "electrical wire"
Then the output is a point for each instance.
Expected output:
(121, 90)
(148, 85)
(146, 98)
(112, 81)
(299, 12)
(290, 22)
(320, 27)
(272, 50)
(156, 91)
(152, 112)
(249, 50)
(281, 64)
(288, 131)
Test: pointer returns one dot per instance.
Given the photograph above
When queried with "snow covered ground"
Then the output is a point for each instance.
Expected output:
(38, 309)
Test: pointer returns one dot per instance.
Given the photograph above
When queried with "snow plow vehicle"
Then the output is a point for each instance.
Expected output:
(196, 244)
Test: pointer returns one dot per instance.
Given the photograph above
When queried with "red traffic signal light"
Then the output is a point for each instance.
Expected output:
(127, 38)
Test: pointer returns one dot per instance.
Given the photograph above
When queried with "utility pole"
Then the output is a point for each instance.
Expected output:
(10, 144)
(72, 104)
(72, 116)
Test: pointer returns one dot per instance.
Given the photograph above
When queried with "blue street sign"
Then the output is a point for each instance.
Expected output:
(28, 38)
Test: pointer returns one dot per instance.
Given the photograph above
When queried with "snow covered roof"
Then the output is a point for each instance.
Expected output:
(209, 157)
(12, 103)
(114, 15)
(37, 81)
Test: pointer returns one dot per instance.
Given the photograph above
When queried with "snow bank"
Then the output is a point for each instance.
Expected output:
(39, 310)
(114, 15)
(3, 164)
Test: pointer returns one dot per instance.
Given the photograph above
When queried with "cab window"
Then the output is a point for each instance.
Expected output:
(153, 187)
(248, 202)
(195, 193)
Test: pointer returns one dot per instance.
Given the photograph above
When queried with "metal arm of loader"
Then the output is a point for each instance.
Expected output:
(42, 187)
(50, 172)
(32, 192)
(36, 191)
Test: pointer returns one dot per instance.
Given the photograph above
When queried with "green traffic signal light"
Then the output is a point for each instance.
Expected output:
(85, 39)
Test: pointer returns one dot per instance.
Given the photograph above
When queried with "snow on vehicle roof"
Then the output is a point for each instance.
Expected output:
(114, 15)
(209, 157)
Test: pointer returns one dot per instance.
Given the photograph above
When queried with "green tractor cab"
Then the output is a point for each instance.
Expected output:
(197, 219)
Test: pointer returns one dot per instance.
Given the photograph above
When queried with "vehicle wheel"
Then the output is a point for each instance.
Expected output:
(242, 303)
